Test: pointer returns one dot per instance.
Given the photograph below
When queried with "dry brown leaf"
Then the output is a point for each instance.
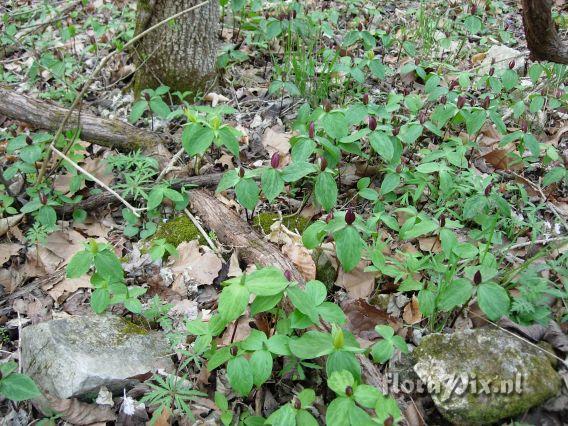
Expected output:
(234, 267)
(193, 266)
(412, 314)
(8, 250)
(431, 244)
(7, 222)
(81, 413)
(478, 57)
(556, 139)
(276, 140)
(302, 259)
(215, 98)
(363, 317)
(500, 159)
(67, 287)
(358, 283)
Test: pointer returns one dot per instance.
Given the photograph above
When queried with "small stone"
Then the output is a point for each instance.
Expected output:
(481, 376)
(77, 355)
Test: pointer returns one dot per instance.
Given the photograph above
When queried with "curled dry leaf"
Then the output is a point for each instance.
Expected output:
(363, 317)
(431, 244)
(192, 266)
(412, 314)
(7, 222)
(358, 283)
(8, 250)
(276, 140)
(215, 98)
(81, 413)
(302, 259)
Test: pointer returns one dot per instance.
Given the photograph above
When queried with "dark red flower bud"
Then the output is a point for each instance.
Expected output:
(366, 99)
(406, 91)
(327, 105)
(488, 189)
(241, 172)
(297, 404)
(512, 64)
(486, 102)
(473, 9)
(372, 123)
(323, 163)
(349, 217)
(477, 278)
(349, 391)
(147, 97)
(461, 101)
(453, 84)
(416, 61)
(42, 198)
(491, 71)
(422, 117)
(442, 221)
(389, 421)
(329, 217)
(524, 126)
(234, 350)
(399, 168)
(395, 131)
(275, 160)
(360, 26)
(312, 130)
(443, 100)
(294, 14)
(288, 274)
(29, 140)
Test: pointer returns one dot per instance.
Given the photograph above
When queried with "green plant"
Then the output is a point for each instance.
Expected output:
(171, 394)
(16, 386)
(152, 101)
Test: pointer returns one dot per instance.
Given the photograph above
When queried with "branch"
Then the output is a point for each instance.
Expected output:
(542, 37)
(44, 115)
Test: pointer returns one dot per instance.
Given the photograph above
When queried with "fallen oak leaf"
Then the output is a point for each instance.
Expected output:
(411, 314)
(8, 222)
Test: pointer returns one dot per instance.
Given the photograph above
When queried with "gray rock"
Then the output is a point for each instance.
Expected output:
(484, 375)
(74, 356)
(502, 55)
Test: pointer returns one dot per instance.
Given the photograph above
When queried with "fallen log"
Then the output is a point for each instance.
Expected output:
(542, 36)
(104, 199)
(45, 115)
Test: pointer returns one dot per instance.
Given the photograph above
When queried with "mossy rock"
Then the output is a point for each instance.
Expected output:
(482, 376)
(263, 221)
(325, 271)
(177, 230)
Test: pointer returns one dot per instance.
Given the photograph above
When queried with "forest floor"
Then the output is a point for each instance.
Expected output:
(405, 158)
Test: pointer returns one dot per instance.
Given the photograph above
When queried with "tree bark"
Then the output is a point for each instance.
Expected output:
(44, 115)
(542, 37)
(182, 55)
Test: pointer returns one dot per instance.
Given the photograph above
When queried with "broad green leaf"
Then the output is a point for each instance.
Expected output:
(100, 300)
(335, 124)
(339, 380)
(272, 184)
(348, 245)
(233, 301)
(137, 110)
(247, 193)
(326, 191)
(455, 294)
(196, 139)
(493, 300)
(390, 183)
(343, 361)
(311, 344)
(382, 144)
(18, 387)
(79, 264)
(338, 412)
(266, 282)
(108, 265)
(261, 363)
(240, 375)
(410, 132)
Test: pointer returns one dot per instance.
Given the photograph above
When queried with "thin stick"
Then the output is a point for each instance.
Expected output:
(201, 230)
(98, 181)
(96, 72)
(170, 165)
(538, 242)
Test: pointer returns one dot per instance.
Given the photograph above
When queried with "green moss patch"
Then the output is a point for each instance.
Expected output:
(263, 221)
(178, 230)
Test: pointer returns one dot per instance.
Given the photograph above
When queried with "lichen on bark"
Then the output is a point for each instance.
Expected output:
(180, 54)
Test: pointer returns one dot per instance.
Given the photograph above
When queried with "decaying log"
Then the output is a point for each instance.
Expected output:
(105, 199)
(233, 231)
(44, 115)
(253, 248)
(542, 37)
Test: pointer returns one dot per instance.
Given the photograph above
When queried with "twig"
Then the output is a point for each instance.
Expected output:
(201, 230)
(538, 242)
(96, 72)
(98, 181)
(170, 165)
